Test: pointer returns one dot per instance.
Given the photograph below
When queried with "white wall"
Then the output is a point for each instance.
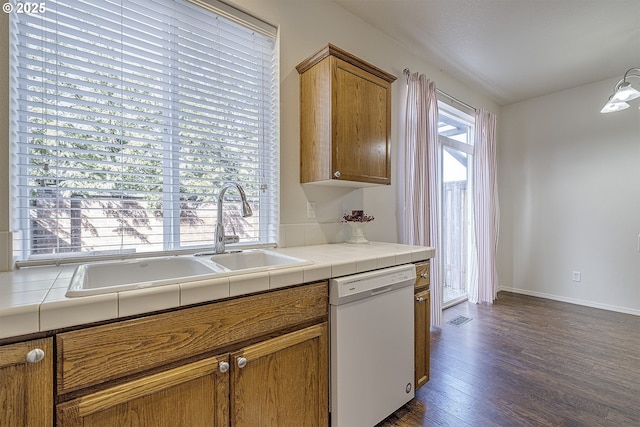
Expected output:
(569, 186)
(304, 27)
(569, 177)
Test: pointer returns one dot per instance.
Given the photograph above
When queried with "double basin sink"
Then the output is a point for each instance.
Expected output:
(115, 276)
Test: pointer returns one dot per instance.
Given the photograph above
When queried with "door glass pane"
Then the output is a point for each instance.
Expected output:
(455, 130)
(454, 223)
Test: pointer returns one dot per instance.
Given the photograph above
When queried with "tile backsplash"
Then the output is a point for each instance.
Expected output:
(292, 235)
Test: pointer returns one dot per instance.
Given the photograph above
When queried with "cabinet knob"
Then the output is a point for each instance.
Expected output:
(424, 275)
(420, 299)
(242, 362)
(35, 355)
(223, 367)
(337, 174)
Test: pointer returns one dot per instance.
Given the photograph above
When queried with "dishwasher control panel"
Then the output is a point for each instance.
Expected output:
(363, 285)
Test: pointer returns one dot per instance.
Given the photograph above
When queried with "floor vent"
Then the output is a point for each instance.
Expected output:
(459, 321)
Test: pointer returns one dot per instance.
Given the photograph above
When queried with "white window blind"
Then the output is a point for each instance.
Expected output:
(128, 117)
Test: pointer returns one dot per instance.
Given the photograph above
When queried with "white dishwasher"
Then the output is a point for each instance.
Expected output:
(371, 345)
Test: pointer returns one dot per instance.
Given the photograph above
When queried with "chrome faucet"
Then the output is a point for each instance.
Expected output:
(220, 237)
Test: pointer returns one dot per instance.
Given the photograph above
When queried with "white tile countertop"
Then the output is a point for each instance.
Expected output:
(33, 299)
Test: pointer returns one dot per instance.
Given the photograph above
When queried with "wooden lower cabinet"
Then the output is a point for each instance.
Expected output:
(282, 381)
(26, 391)
(195, 394)
(95, 356)
(422, 336)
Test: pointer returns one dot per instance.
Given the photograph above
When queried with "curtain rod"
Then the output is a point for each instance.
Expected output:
(407, 72)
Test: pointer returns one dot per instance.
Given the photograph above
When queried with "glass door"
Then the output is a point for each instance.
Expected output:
(455, 137)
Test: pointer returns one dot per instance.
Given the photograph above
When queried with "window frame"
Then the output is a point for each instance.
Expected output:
(267, 223)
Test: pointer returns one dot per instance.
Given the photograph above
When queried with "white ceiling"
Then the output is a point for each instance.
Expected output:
(514, 49)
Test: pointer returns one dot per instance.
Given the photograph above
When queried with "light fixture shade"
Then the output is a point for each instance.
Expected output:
(612, 106)
(625, 93)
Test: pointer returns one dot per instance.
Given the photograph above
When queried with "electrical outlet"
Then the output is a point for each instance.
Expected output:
(575, 276)
(311, 210)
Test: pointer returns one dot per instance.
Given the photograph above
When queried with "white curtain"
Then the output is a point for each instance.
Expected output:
(420, 202)
(483, 287)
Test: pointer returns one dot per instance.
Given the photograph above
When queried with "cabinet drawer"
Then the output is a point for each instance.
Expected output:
(423, 274)
(98, 354)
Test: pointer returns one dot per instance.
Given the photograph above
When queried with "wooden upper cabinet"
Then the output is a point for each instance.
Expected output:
(345, 120)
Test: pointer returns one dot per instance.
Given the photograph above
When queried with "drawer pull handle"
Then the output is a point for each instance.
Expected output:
(424, 275)
(223, 366)
(242, 362)
(35, 355)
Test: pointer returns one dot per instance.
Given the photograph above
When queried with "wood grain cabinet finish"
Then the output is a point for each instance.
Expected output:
(422, 337)
(345, 120)
(259, 360)
(282, 381)
(137, 345)
(423, 275)
(195, 394)
(26, 385)
(422, 327)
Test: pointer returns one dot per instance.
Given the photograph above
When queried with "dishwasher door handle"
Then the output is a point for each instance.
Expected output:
(381, 290)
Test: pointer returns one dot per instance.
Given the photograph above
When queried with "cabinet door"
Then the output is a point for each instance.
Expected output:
(362, 120)
(195, 394)
(282, 381)
(422, 337)
(26, 391)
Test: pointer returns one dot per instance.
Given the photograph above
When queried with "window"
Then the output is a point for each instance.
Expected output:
(129, 117)
(455, 142)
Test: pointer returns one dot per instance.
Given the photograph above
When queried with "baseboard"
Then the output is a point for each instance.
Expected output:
(571, 300)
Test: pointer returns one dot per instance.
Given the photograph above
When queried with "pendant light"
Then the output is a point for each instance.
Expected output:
(622, 92)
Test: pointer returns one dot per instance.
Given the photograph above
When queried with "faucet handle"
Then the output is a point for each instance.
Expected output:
(231, 239)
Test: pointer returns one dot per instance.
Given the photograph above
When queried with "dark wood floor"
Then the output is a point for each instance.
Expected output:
(526, 361)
